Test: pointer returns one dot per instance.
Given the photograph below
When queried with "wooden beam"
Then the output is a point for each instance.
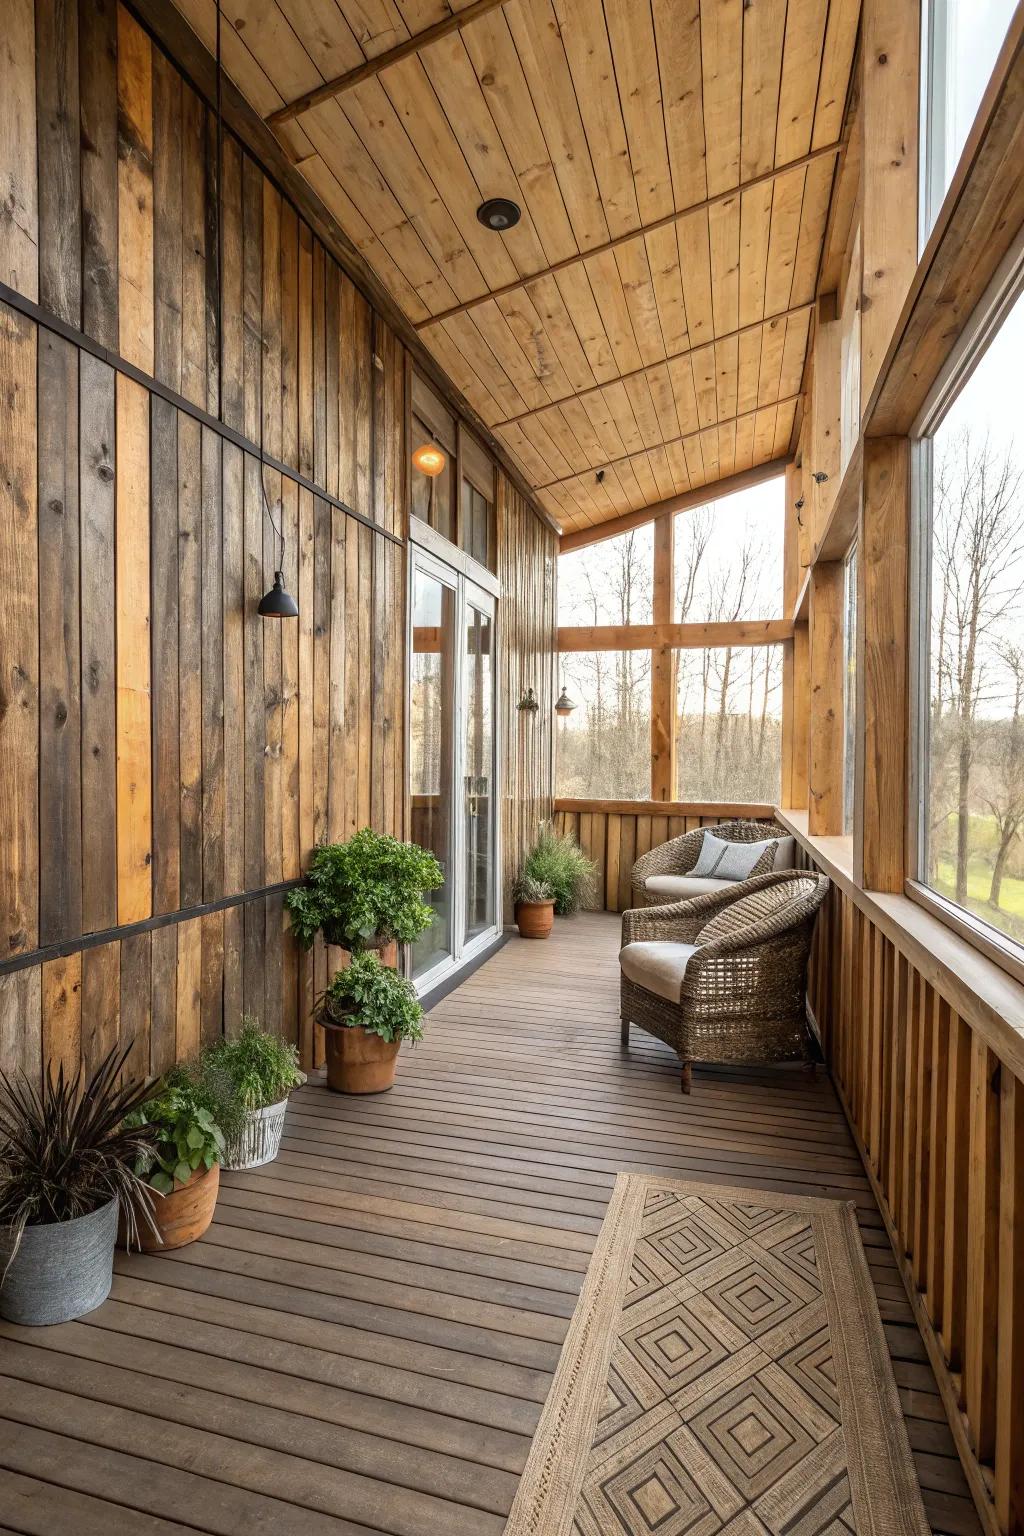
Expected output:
(891, 45)
(977, 227)
(825, 723)
(371, 67)
(666, 222)
(882, 650)
(683, 501)
(663, 665)
(648, 637)
(837, 534)
(647, 368)
(724, 810)
(684, 437)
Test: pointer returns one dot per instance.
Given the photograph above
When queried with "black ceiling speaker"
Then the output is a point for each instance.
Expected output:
(499, 213)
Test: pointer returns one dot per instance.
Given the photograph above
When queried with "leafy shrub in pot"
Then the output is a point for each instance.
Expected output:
(262, 1070)
(366, 1012)
(182, 1165)
(558, 861)
(534, 906)
(68, 1153)
(365, 893)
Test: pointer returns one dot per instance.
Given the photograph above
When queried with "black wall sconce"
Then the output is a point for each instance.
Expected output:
(819, 477)
(529, 703)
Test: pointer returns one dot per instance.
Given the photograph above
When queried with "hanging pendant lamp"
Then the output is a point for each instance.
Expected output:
(278, 603)
(564, 705)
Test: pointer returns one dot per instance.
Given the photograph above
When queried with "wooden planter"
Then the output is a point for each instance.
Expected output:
(535, 918)
(357, 1061)
(181, 1216)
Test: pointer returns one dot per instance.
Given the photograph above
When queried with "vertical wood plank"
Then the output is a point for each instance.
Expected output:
(21, 1023)
(211, 979)
(252, 284)
(273, 846)
(134, 805)
(62, 1014)
(19, 639)
(212, 579)
(19, 222)
(232, 338)
(825, 724)
(60, 718)
(307, 815)
(233, 556)
(167, 222)
(136, 1001)
(981, 1342)
(98, 686)
(60, 200)
(189, 980)
(165, 716)
(135, 192)
(164, 999)
(190, 658)
(193, 248)
(97, 34)
(1009, 1447)
(252, 657)
(101, 1002)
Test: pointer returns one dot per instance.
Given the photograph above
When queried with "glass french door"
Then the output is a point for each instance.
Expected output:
(452, 761)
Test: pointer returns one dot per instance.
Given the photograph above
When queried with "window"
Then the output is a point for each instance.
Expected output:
(476, 528)
(728, 557)
(961, 43)
(972, 831)
(609, 583)
(729, 724)
(604, 747)
(849, 686)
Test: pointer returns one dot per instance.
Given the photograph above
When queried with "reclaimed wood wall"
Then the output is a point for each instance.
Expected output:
(167, 757)
(527, 658)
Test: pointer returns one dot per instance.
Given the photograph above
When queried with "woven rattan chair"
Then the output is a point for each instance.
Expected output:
(741, 995)
(680, 855)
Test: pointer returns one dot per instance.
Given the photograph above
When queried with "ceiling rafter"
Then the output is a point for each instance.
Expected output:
(670, 357)
(370, 67)
(668, 442)
(639, 233)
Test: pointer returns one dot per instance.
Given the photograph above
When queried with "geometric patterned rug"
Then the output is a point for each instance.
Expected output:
(725, 1371)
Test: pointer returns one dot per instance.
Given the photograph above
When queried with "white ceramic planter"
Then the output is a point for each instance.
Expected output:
(61, 1270)
(260, 1140)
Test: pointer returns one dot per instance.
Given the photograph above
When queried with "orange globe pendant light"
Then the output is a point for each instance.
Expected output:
(429, 459)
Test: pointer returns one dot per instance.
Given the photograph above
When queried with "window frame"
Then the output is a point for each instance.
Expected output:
(1006, 288)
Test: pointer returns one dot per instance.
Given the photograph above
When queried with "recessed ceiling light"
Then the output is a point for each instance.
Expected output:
(499, 213)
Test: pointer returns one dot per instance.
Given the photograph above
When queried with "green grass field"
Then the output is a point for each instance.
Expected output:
(1009, 917)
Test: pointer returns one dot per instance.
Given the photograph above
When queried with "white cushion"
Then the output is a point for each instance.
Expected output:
(785, 853)
(729, 861)
(657, 967)
(679, 887)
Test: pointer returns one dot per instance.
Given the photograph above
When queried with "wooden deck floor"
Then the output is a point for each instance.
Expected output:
(364, 1339)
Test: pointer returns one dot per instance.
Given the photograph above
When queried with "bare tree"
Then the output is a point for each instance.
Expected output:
(1006, 799)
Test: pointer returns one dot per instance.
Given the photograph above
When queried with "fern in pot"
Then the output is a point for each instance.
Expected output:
(365, 894)
(260, 1070)
(68, 1153)
(366, 1012)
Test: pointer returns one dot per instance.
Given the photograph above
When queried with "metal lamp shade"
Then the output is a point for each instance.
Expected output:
(565, 705)
(277, 603)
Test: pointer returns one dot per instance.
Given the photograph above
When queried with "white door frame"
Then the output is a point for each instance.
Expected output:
(467, 591)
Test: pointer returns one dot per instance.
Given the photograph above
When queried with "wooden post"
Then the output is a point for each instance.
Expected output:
(882, 647)
(825, 725)
(890, 54)
(663, 665)
(822, 456)
(795, 709)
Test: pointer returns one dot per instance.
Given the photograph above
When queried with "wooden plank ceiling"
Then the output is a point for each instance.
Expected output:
(674, 160)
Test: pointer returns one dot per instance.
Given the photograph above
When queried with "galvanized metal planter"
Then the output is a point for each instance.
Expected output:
(61, 1270)
(260, 1140)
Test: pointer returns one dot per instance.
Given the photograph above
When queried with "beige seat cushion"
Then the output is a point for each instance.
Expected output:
(657, 967)
(679, 887)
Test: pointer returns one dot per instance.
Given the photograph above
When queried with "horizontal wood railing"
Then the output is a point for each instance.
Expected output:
(924, 1038)
(614, 833)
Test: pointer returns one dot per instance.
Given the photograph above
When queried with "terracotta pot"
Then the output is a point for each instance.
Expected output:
(535, 918)
(181, 1216)
(357, 1061)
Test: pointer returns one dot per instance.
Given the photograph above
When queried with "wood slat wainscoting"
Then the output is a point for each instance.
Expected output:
(924, 1043)
(615, 833)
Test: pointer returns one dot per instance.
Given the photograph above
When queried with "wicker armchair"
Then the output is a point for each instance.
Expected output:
(741, 996)
(680, 855)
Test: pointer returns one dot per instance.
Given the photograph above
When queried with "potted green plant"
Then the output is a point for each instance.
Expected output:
(534, 906)
(366, 1012)
(557, 861)
(262, 1070)
(67, 1160)
(181, 1165)
(364, 894)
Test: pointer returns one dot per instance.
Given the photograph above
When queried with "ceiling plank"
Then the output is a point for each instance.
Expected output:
(370, 67)
(580, 538)
(708, 203)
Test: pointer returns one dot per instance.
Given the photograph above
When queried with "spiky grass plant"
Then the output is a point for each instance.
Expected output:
(65, 1150)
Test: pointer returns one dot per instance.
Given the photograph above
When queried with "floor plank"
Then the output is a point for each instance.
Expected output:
(363, 1342)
